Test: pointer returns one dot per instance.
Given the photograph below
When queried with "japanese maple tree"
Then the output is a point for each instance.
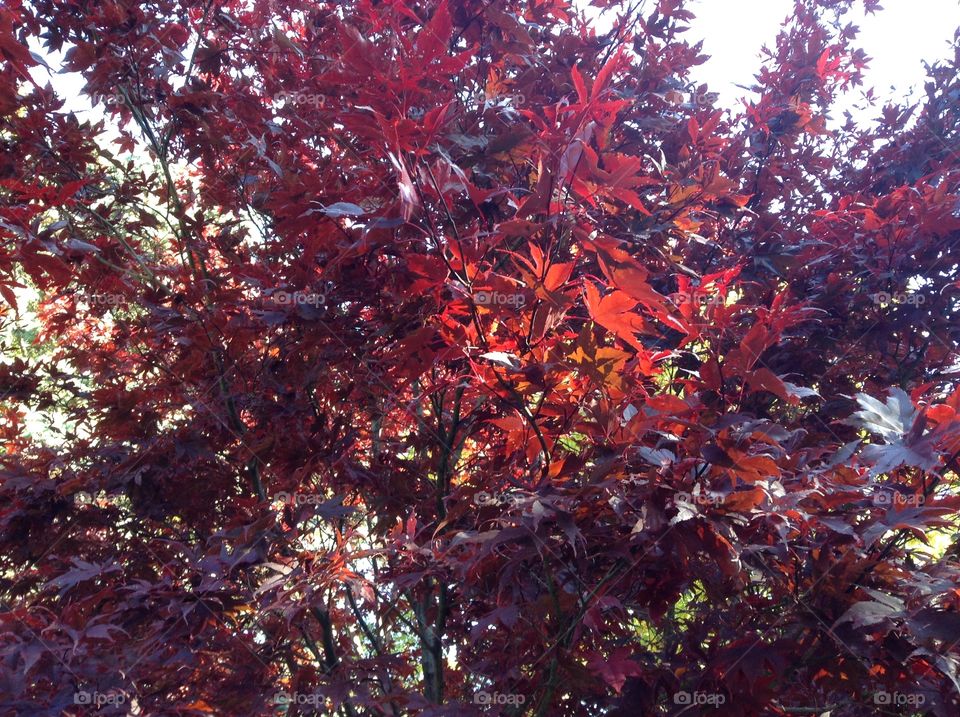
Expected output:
(452, 357)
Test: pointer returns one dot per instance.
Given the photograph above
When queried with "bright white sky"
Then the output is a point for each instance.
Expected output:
(897, 38)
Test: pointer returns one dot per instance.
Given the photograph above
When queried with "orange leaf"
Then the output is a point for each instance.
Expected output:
(579, 84)
(616, 313)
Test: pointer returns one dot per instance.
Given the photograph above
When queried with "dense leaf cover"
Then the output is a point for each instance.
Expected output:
(450, 358)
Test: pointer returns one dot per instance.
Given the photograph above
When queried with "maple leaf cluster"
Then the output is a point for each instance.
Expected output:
(449, 358)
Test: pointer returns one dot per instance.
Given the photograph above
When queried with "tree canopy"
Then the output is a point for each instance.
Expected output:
(429, 357)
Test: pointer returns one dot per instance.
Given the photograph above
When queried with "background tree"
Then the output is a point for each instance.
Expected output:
(449, 358)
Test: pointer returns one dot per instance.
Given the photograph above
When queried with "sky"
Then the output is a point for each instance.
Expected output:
(898, 38)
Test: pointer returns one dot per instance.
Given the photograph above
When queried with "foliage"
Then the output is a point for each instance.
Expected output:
(452, 358)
